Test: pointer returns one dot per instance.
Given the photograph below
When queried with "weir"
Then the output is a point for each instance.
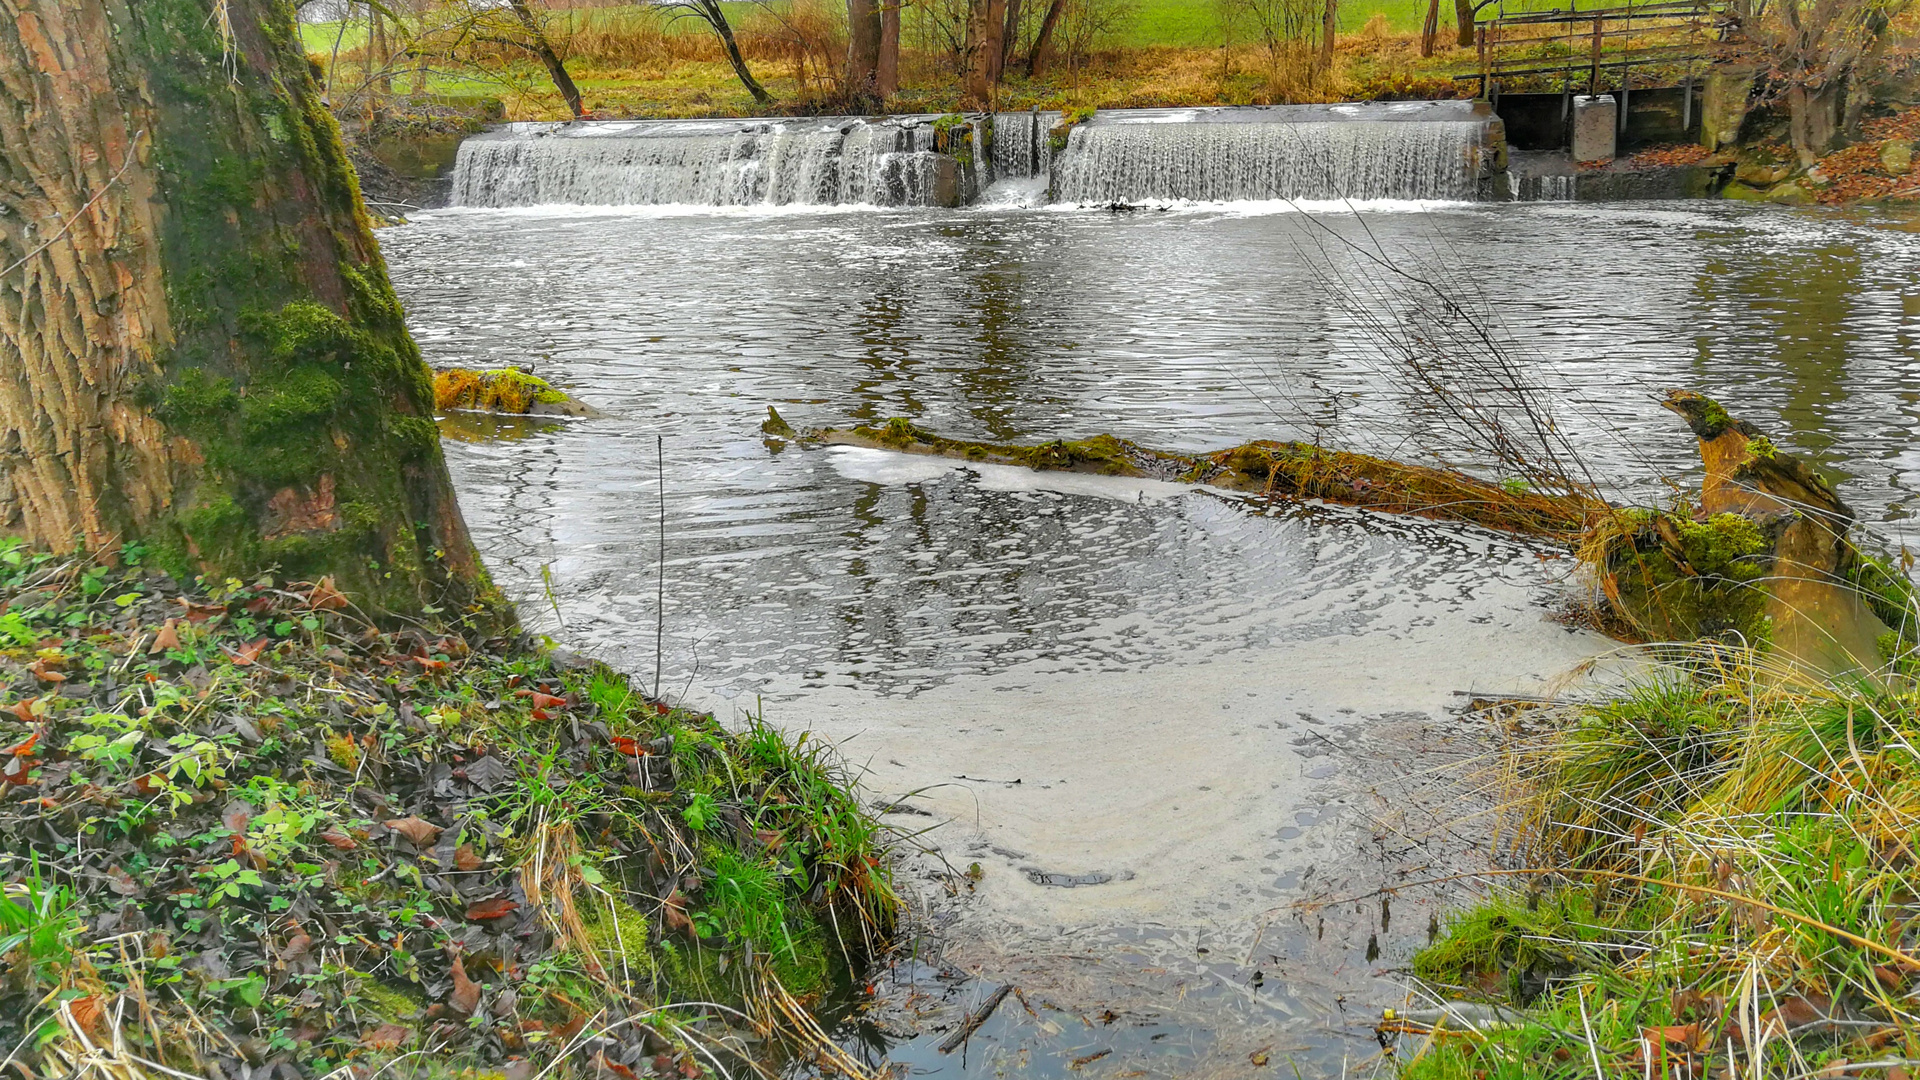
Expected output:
(1452, 150)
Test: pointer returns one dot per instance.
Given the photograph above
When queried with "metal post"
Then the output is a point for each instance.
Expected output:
(1481, 33)
(1593, 78)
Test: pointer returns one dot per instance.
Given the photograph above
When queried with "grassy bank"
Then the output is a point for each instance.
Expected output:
(245, 828)
(1714, 876)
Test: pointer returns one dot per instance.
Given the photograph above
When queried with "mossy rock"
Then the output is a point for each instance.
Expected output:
(503, 390)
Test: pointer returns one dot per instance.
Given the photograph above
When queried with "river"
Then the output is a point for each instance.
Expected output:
(1156, 717)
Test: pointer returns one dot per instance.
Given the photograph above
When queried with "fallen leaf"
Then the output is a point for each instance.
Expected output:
(422, 833)
(339, 839)
(629, 747)
(17, 770)
(675, 907)
(23, 709)
(542, 714)
(297, 946)
(484, 910)
(237, 817)
(167, 637)
(386, 1038)
(466, 993)
(1259, 1057)
(248, 655)
(23, 748)
(122, 883)
(429, 663)
(1687, 1035)
(603, 1066)
(41, 672)
(88, 1015)
(547, 701)
(325, 597)
(465, 858)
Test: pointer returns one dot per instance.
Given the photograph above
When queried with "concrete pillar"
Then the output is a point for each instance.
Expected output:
(1723, 104)
(1594, 119)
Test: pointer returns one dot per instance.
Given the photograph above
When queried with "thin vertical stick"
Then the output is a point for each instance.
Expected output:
(660, 600)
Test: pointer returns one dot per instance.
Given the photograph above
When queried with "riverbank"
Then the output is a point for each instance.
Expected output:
(247, 830)
(1713, 875)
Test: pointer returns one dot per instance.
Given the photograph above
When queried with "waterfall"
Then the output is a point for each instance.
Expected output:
(1545, 188)
(700, 163)
(1020, 144)
(1423, 150)
(1407, 150)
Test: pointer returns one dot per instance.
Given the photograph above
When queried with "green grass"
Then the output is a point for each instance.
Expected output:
(1716, 859)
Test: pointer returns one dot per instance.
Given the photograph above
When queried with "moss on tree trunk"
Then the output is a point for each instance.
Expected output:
(199, 347)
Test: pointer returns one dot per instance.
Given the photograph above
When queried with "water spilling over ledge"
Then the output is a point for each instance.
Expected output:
(1436, 150)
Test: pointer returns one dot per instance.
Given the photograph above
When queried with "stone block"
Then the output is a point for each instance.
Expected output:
(1595, 122)
(1896, 157)
(1723, 104)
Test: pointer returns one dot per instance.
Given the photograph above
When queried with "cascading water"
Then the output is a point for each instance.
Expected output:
(1412, 150)
(702, 163)
(1415, 150)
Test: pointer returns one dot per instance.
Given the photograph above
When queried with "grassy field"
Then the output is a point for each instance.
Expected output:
(630, 61)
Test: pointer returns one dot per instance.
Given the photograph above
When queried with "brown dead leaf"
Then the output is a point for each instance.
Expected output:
(325, 597)
(422, 833)
(484, 910)
(675, 908)
(237, 817)
(1259, 1057)
(45, 674)
(338, 838)
(297, 946)
(465, 858)
(23, 709)
(122, 883)
(167, 637)
(88, 1015)
(249, 654)
(386, 1038)
(466, 993)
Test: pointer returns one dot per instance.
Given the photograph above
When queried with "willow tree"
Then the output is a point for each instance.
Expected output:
(200, 351)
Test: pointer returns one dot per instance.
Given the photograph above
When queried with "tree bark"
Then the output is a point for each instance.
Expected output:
(1038, 59)
(886, 75)
(1329, 30)
(199, 348)
(711, 13)
(538, 44)
(986, 20)
(863, 50)
(1814, 119)
(1465, 14)
(1430, 31)
(1009, 38)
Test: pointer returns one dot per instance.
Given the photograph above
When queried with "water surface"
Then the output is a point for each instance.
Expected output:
(1194, 710)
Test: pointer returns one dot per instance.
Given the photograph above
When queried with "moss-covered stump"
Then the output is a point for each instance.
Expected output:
(1288, 469)
(508, 391)
(245, 830)
(1761, 556)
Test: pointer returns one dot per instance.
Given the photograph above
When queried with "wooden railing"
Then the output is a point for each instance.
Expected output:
(1600, 42)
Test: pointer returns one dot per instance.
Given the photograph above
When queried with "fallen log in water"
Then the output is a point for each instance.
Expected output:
(1762, 557)
(1291, 469)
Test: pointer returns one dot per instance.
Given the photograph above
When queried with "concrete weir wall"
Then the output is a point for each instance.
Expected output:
(1416, 150)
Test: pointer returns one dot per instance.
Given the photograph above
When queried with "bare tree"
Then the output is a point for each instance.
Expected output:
(1817, 49)
(711, 13)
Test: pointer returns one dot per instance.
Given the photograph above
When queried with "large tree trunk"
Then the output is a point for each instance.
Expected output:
(986, 19)
(1465, 15)
(1329, 30)
(863, 50)
(1043, 40)
(1009, 39)
(1814, 119)
(538, 44)
(199, 348)
(886, 75)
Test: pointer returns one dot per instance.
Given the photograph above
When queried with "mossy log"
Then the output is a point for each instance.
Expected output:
(508, 391)
(1292, 469)
(1762, 557)
(199, 348)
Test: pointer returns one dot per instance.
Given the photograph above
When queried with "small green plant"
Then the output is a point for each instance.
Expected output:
(37, 929)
